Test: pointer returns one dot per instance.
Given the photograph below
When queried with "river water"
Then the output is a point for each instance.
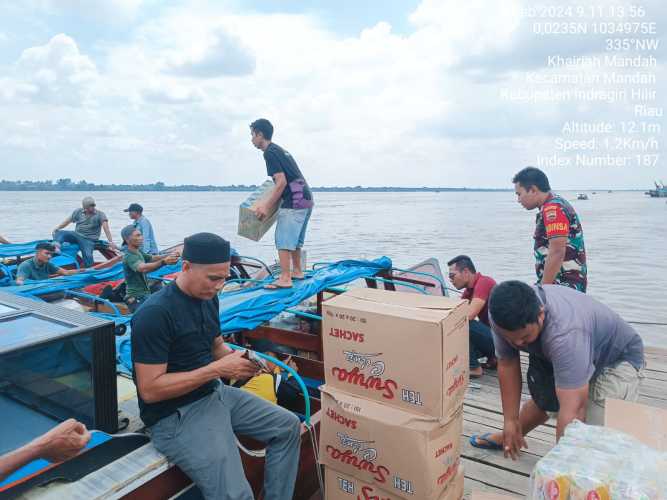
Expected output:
(624, 233)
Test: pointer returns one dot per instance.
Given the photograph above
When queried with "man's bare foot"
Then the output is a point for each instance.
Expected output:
(476, 372)
(278, 284)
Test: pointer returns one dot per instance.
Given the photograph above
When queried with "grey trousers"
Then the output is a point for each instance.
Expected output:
(200, 439)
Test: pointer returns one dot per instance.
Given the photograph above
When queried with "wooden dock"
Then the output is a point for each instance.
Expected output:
(488, 470)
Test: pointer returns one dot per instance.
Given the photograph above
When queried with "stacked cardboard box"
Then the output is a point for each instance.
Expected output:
(396, 372)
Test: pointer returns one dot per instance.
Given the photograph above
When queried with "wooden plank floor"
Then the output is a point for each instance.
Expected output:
(489, 470)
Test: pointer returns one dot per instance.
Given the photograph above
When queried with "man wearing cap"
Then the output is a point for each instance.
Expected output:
(89, 224)
(40, 266)
(137, 264)
(136, 213)
(179, 357)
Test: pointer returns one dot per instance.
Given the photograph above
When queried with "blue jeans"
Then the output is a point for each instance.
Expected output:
(291, 228)
(85, 245)
(200, 439)
(481, 343)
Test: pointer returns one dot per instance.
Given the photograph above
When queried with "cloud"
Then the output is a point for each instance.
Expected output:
(55, 73)
(167, 93)
(116, 12)
(181, 85)
(226, 55)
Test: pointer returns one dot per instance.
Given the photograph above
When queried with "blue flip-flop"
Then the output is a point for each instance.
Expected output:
(486, 443)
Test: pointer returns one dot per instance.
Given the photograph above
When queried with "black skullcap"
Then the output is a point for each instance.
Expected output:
(206, 248)
(45, 246)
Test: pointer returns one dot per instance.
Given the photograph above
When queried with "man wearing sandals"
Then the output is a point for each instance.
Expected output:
(295, 208)
(595, 355)
(179, 357)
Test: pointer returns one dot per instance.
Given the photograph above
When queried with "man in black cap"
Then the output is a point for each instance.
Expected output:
(136, 213)
(179, 358)
(40, 266)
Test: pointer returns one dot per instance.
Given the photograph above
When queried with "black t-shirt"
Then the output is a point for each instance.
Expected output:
(174, 328)
(278, 160)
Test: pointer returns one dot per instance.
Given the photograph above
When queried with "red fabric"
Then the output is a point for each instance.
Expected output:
(97, 288)
(481, 289)
(555, 220)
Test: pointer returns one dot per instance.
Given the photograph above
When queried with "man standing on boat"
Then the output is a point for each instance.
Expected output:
(560, 255)
(476, 289)
(595, 355)
(89, 224)
(295, 208)
(141, 222)
(179, 358)
(40, 266)
(137, 264)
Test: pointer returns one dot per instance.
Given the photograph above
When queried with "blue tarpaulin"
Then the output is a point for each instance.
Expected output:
(81, 280)
(248, 308)
(19, 249)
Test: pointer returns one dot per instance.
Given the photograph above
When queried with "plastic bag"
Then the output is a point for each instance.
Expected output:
(599, 463)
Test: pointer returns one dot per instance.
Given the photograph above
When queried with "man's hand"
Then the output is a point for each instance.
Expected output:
(261, 211)
(62, 442)
(513, 439)
(170, 259)
(113, 246)
(292, 364)
(234, 365)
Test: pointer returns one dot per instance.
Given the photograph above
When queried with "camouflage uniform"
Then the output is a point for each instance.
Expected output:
(557, 218)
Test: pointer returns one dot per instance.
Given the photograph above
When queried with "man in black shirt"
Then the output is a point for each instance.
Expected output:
(295, 208)
(179, 358)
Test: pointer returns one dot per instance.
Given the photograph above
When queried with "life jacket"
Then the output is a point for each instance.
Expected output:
(265, 386)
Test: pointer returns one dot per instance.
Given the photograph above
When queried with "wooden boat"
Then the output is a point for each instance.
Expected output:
(144, 473)
(660, 191)
(582, 196)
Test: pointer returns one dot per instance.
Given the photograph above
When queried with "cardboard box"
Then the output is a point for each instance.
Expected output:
(339, 486)
(404, 454)
(249, 225)
(402, 349)
(645, 423)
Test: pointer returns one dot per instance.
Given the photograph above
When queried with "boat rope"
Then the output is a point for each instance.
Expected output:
(316, 453)
(253, 453)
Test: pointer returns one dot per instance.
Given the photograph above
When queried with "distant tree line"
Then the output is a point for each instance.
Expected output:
(67, 184)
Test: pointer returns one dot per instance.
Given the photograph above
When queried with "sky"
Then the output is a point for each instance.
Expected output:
(361, 92)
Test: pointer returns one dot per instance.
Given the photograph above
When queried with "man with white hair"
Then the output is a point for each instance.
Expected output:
(89, 223)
